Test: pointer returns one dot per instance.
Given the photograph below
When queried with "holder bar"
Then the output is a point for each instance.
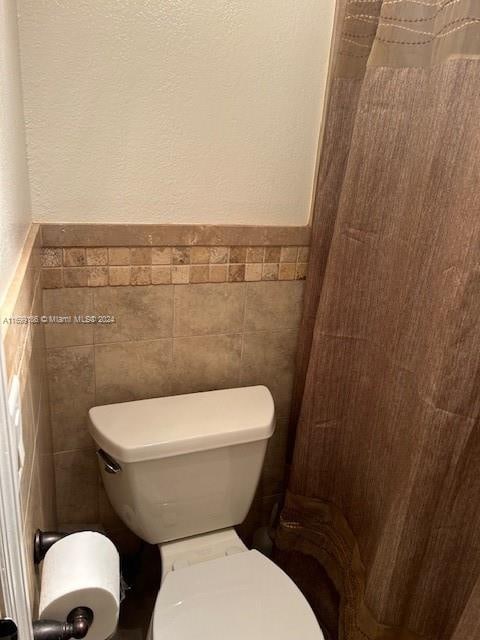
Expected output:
(77, 625)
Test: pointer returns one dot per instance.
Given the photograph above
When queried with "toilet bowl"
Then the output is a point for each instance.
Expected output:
(237, 597)
(181, 472)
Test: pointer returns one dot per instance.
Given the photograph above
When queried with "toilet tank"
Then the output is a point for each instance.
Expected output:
(183, 465)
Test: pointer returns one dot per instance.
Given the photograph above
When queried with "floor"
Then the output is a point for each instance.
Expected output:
(141, 573)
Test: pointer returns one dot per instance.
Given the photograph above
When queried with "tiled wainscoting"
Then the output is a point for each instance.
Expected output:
(174, 332)
(24, 349)
(193, 311)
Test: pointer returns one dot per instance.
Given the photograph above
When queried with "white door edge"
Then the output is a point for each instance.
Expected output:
(13, 574)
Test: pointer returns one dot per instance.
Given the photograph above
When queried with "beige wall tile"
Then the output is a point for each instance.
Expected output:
(161, 275)
(181, 255)
(255, 254)
(74, 257)
(119, 256)
(288, 254)
(76, 276)
(199, 255)
(68, 302)
(236, 272)
(238, 254)
(12, 341)
(51, 257)
(218, 273)
(44, 428)
(140, 313)
(97, 276)
(76, 474)
(140, 255)
(38, 362)
(269, 359)
(253, 272)
(301, 271)
(199, 273)
(273, 305)
(287, 271)
(52, 278)
(26, 290)
(180, 274)
(140, 275)
(272, 254)
(118, 235)
(218, 255)
(32, 583)
(202, 363)
(42, 494)
(303, 254)
(118, 276)
(97, 256)
(28, 434)
(16, 334)
(209, 309)
(161, 255)
(41, 509)
(38, 505)
(270, 271)
(72, 393)
(133, 370)
(40, 512)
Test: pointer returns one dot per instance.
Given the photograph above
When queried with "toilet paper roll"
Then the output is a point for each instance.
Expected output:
(82, 570)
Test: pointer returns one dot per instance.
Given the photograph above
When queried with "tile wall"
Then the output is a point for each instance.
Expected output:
(25, 356)
(187, 318)
(166, 339)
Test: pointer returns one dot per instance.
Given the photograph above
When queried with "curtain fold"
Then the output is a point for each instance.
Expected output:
(385, 485)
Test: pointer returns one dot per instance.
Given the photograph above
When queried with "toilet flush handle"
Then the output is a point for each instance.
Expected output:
(110, 464)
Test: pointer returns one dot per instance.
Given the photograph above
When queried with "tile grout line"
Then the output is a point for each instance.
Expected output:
(95, 396)
(243, 332)
(176, 337)
(62, 451)
(174, 296)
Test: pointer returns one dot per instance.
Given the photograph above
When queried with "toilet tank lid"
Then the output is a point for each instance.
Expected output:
(175, 425)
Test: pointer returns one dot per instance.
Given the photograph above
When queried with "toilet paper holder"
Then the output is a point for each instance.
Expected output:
(42, 541)
(76, 626)
(78, 620)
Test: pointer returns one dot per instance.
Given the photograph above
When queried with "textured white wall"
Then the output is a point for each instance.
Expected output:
(14, 191)
(173, 111)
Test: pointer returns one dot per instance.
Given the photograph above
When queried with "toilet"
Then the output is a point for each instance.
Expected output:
(181, 472)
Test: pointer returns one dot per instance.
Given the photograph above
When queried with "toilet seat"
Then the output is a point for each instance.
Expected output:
(237, 597)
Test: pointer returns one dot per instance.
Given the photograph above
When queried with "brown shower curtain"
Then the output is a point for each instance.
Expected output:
(381, 525)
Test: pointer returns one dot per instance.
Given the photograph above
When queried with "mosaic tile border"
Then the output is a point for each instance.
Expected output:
(127, 266)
